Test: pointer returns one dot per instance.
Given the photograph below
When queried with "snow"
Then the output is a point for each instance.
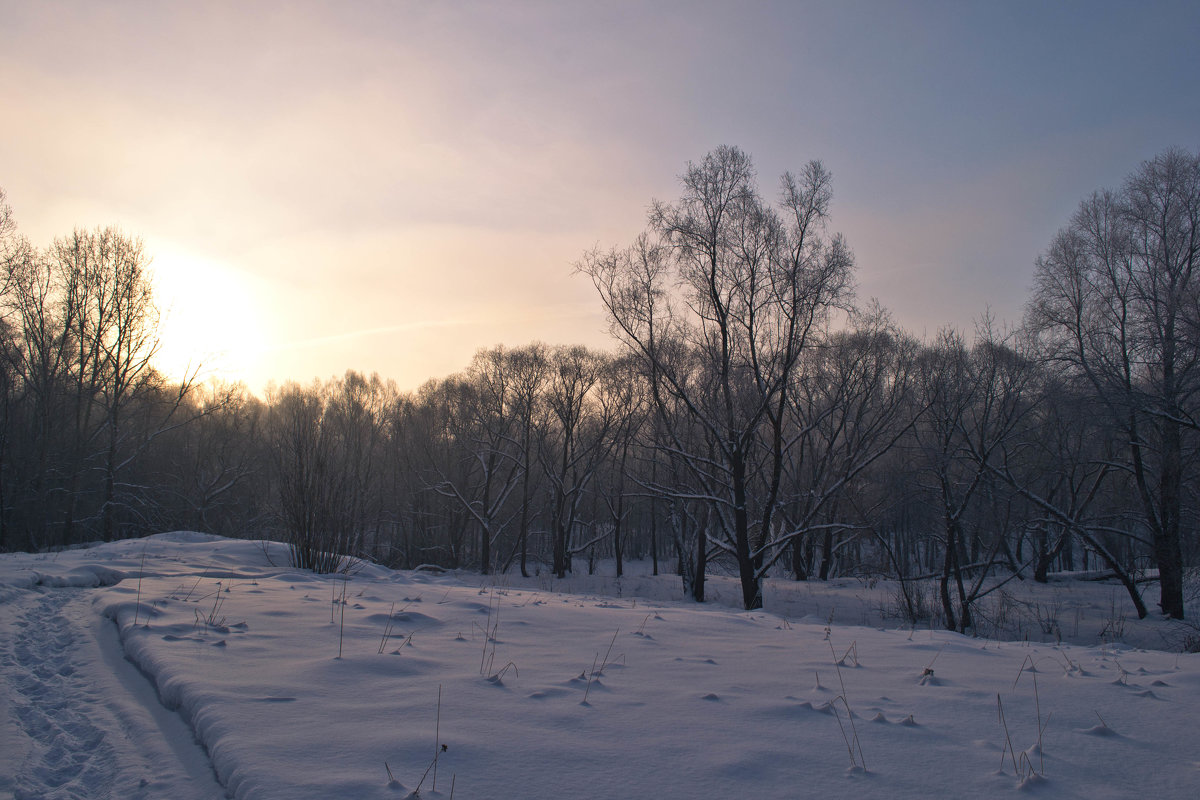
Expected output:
(189, 666)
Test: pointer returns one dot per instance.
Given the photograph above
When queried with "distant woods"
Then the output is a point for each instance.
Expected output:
(755, 419)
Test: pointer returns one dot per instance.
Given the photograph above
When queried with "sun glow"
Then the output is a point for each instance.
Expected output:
(210, 319)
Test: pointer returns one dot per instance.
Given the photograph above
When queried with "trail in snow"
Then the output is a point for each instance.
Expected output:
(67, 753)
(82, 722)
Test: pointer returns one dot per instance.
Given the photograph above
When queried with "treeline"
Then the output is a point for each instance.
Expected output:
(754, 418)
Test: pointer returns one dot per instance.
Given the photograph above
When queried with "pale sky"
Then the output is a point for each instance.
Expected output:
(389, 186)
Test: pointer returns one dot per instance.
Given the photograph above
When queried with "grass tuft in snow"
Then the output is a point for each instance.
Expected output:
(214, 618)
(387, 628)
(1022, 762)
(851, 739)
(490, 630)
(498, 678)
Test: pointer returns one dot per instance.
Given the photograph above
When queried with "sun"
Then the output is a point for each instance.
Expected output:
(210, 318)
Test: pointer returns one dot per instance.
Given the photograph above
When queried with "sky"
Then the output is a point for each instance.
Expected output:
(390, 186)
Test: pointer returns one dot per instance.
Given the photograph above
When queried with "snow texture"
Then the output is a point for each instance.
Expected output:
(188, 666)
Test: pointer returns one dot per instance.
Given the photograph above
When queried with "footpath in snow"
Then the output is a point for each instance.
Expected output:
(78, 719)
(118, 659)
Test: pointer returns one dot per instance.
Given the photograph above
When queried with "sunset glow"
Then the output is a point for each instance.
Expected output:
(388, 187)
(212, 320)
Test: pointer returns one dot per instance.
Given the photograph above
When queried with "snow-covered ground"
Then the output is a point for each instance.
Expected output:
(1072, 608)
(186, 666)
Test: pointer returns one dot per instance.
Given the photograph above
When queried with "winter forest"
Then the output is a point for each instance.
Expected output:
(754, 417)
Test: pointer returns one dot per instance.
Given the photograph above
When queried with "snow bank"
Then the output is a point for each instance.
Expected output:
(303, 686)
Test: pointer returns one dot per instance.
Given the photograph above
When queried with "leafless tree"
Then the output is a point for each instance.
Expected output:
(854, 399)
(13, 251)
(326, 441)
(1065, 465)
(622, 397)
(528, 368)
(214, 467)
(489, 469)
(1117, 300)
(720, 299)
(574, 443)
(975, 399)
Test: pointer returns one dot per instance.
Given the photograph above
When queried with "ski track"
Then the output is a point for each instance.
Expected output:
(83, 736)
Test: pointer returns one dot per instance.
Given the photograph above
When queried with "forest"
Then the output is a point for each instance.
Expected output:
(753, 418)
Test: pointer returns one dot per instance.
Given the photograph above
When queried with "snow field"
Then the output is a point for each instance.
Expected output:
(682, 701)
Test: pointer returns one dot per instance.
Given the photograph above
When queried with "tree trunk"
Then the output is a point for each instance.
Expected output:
(1168, 552)
(944, 589)
(826, 554)
(524, 533)
(799, 562)
(654, 535)
(751, 592)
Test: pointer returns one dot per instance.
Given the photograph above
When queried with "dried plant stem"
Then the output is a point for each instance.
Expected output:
(1027, 662)
(141, 571)
(1041, 728)
(193, 589)
(437, 749)
(854, 742)
(1008, 745)
(589, 683)
(604, 663)
(499, 676)
(489, 633)
(437, 737)
(342, 625)
(387, 629)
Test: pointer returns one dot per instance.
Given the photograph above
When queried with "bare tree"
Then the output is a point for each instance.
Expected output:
(1117, 299)
(528, 367)
(574, 444)
(482, 424)
(720, 299)
(420, 451)
(975, 398)
(215, 467)
(1065, 464)
(13, 251)
(126, 332)
(623, 398)
(41, 359)
(80, 393)
(854, 399)
(326, 440)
